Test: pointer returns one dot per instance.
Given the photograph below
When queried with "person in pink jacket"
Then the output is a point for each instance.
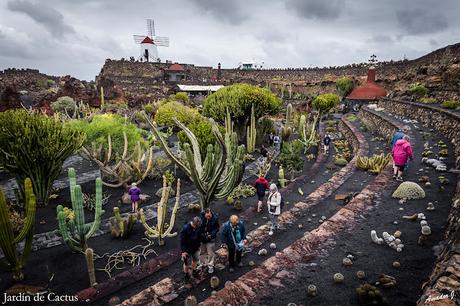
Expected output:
(402, 153)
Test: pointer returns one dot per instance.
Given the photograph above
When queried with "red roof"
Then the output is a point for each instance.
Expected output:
(147, 40)
(369, 90)
(176, 67)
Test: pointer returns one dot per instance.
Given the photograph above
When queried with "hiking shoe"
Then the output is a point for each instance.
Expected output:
(210, 270)
(231, 269)
(240, 264)
(399, 179)
(270, 233)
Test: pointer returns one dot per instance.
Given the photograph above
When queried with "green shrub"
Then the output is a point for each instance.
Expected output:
(238, 99)
(50, 83)
(35, 146)
(181, 97)
(325, 102)
(167, 111)
(418, 90)
(101, 126)
(428, 100)
(264, 126)
(202, 129)
(451, 104)
(150, 108)
(64, 105)
(344, 86)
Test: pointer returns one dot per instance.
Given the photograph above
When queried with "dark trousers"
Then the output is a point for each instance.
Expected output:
(231, 257)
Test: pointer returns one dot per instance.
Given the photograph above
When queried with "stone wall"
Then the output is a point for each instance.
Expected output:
(446, 275)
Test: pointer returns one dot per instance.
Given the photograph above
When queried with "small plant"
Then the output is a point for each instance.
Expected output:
(451, 104)
(243, 190)
(339, 161)
(418, 90)
(121, 227)
(65, 105)
(170, 178)
(428, 100)
(443, 180)
(89, 200)
(89, 255)
(229, 201)
(443, 152)
(369, 295)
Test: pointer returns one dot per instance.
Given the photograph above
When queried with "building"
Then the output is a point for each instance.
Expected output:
(369, 91)
(175, 73)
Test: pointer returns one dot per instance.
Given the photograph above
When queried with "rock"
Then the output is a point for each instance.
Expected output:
(114, 300)
(312, 290)
(255, 223)
(262, 252)
(214, 282)
(360, 274)
(312, 182)
(313, 215)
(272, 245)
(402, 201)
(338, 278)
(396, 264)
(300, 226)
(401, 208)
(251, 263)
(387, 281)
(347, 262)
(426, 230)
(213, 293)
(320, 220)
(350, 256)
(427, 184)
(309, 220)
(395, 222)
(160, 191)
(144, 198)
(228, 284)
(323, 217)
(430, 206)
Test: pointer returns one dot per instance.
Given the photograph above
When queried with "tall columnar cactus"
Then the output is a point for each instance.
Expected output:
(102, 97)
(251, 133)
(286, 132)
(8, 241)
(222, 169)
(289, 115)
(75, 232)
(308, 132)
(229, 122)
(281, 178)
(160, 231)
(89, 254)
(121, 227)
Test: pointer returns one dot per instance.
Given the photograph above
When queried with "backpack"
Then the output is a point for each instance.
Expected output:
(282, 203)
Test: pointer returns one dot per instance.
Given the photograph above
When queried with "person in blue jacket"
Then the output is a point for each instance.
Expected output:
(209, 229)
(234, 238)
(190, 242)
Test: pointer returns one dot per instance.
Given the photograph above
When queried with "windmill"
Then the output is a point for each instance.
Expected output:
(150, 43)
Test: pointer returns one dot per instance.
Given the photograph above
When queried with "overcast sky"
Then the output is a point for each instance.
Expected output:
(74, 37)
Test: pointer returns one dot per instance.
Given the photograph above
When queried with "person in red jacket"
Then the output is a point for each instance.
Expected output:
(402, 153)
(261, 186)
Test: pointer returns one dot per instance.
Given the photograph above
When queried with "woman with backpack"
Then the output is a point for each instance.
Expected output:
(261, 186)
(274, 204)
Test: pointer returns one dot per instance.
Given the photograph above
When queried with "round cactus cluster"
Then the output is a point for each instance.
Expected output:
(409, 190)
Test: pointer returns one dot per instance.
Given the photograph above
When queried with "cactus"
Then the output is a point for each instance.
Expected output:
(308, 140)
(89, 255)
(121, 227)
(281, 178)
(286, 132)
(75, 232)
(409, 190)
(102, 97)
(220, 172)
(8, 242)
(229, 122)
(251, 133)
(160, 231)
(289, 115)
(374, 164)
(129, 167)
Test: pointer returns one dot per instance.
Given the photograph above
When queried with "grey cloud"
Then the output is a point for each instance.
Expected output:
(317, 9)
(226, 10)
(418, 21)
(381, 39)
(47, 16)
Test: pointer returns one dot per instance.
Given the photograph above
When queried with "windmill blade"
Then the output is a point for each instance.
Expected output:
(138, 38)
(150, 27)
(161, 41)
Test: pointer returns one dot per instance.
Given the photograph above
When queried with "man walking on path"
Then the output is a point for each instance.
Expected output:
(274, 207)
(190, 242)
(326, 143)
(209, 229)
(234, 238)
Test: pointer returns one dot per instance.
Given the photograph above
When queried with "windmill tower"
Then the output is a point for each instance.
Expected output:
(148, 44)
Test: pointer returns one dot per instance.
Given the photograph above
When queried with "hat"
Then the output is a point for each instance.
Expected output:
(133, 185)
(273, 187)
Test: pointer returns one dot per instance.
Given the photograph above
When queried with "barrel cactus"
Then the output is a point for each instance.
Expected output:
(409, 190)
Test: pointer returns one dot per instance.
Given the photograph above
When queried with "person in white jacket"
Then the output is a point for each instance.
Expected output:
(274, 207)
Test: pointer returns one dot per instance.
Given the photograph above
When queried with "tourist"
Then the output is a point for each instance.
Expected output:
(270, 139)
(399, 134)
(402, 153)
(135, 193)
(261, 186)
(274, 207)
(190, 242)
(264, 151)
(209, 229)
(277, 142)
(234, 238)
(326, 143)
